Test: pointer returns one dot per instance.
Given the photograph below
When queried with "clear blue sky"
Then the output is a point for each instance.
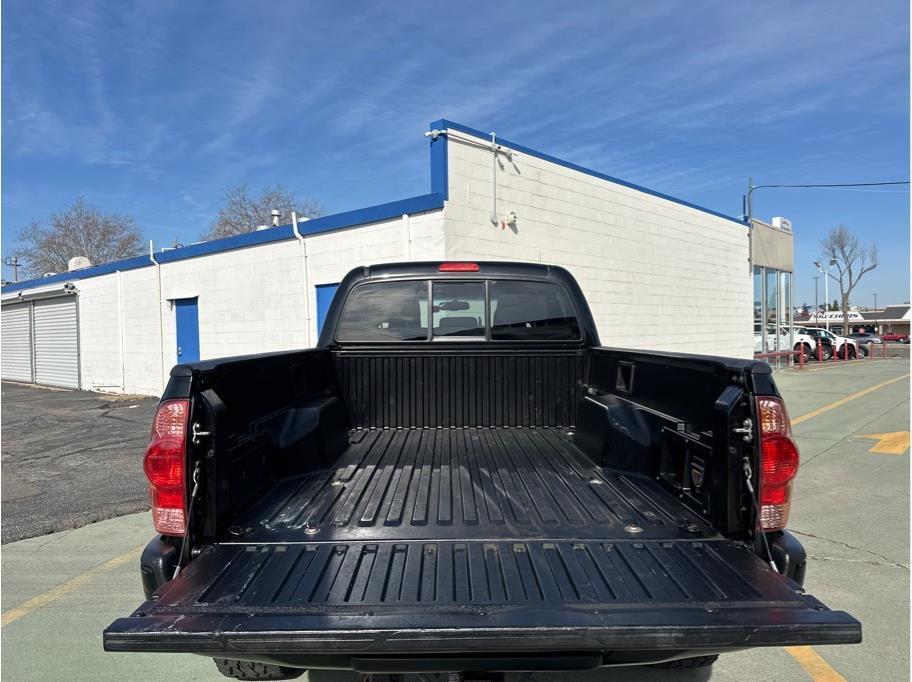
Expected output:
(154, 108)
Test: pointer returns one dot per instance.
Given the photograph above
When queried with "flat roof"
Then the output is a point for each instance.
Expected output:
(322, 225)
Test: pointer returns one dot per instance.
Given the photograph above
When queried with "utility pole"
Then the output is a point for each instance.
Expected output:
(749, 214)
(13, 262)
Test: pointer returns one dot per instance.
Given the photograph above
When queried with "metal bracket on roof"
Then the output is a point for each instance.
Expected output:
(434, 134)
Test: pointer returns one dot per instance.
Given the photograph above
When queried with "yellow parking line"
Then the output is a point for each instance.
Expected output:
(850, 363)
(814, 665)
(843, 401)
(812, 662)
(67, 587)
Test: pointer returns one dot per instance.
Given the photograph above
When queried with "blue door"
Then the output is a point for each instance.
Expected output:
(325, 293)
(186, 311)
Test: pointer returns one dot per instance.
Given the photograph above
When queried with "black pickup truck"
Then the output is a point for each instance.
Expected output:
(461, 478)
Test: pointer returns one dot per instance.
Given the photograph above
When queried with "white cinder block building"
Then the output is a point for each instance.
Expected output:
(638, 254)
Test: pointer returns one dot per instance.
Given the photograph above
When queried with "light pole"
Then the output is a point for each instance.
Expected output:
(816, 301)
(876, 327)
(826, 286)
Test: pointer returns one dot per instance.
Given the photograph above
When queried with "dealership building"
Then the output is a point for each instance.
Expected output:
(638, 254)
(893, 319)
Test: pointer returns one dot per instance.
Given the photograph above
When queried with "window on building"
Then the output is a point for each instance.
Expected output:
(785, 308)
(759, 335)
(772, 311)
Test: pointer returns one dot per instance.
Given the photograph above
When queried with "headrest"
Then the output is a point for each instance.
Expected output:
(458, 322)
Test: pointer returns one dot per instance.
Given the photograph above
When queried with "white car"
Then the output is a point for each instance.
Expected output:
(777, 339)
(833, 343)
(803, 341)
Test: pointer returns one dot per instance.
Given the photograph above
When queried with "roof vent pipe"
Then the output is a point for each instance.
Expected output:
(161, 321)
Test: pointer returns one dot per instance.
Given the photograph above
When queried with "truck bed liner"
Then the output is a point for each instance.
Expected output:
(466, 484)
(497, 540)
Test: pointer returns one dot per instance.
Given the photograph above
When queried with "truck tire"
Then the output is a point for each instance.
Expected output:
(687, 663)
(251, 670)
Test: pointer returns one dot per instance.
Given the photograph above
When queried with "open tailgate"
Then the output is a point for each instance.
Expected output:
(422, 597)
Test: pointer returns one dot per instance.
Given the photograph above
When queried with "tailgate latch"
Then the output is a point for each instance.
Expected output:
(746, 428)
(196, 434)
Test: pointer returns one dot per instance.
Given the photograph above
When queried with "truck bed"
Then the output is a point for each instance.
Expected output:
(468, 484)
(492, 539)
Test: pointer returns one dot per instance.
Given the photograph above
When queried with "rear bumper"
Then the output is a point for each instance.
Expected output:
(789, 555)
(157, 564)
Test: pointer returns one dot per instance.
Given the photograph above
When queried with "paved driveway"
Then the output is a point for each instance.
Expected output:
(70, 458)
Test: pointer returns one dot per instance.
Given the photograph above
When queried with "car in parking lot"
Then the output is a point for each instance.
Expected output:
(863, 339)
(895, 337)
(779, 339)
(831, 343)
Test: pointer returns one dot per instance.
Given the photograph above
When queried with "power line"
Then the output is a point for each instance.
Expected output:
(841, 184)
(870, 191)
(748, 205)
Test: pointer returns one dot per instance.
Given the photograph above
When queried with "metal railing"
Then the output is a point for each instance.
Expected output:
(791, 355)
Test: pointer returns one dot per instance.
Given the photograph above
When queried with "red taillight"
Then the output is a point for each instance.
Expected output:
(778, 463)
(164, 466)
(458, 267)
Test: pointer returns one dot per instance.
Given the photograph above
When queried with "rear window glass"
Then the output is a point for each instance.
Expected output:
(459, 308)
(500, 310)
(531, 310)
(385, 311)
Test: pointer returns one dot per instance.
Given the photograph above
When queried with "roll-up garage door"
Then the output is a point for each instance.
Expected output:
(16, 348)
(56, 340)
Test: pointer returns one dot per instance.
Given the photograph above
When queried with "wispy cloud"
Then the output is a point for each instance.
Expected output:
(167, 104)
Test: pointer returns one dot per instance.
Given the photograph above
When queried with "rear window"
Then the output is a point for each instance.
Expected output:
(385, 311)
(459, 309)
(498, 310)
(531, 310)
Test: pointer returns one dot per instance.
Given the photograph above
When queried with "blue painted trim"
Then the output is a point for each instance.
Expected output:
(440, 169)
(106, 269)
(588, 171)
(329, 223)
(325, 294)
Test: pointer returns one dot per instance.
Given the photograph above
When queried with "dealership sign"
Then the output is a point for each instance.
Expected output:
(833, 315)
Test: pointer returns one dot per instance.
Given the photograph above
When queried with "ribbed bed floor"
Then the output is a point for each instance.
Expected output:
(468, 484)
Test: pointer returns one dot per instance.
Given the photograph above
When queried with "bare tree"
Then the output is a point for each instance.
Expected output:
(80, 230)
(243, 212)
(852, 261)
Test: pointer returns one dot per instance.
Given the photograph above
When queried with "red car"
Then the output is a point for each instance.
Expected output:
(893, 336)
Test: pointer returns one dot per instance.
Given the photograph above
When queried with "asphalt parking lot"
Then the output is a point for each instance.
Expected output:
(850, 509)
(70, 458)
